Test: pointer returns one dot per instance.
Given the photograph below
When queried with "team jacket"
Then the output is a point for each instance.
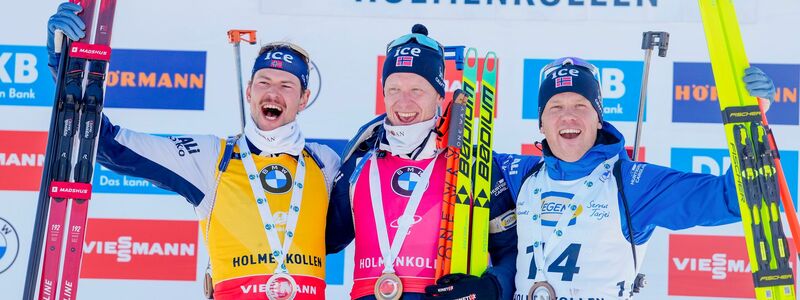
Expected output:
(241, 259)
(352, 214)
(593, 258)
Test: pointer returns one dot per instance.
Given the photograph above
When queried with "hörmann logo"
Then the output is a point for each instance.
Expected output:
(711, 266)
(21, 159)
(156, 79)
(695, 97)
(140, 249)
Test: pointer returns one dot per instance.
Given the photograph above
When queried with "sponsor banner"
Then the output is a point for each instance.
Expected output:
(533, 149)
(718, 161)
(452, 82)
(21, 159)
(646, 11)
(140, 249)
(136, 78)
(621, 82)
(711, 266)
(334, 263)
(156, 79)
(9, 245)
(25, 78)
(695, 98)
(106, 181)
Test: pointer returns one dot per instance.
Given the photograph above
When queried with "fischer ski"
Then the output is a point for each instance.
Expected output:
(752, 158)
(479, 236)
(473, 183)
(451, 126)
(76, 109)
(462, 209)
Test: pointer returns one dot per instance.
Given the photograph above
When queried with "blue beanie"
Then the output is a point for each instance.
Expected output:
(413, 57)
(286, 59)
(571, 78)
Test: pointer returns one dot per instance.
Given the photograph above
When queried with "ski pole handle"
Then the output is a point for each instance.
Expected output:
(235, 37)
(652, 39)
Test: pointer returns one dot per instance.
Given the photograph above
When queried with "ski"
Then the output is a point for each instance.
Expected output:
(67, 107)
(76, 110)
(452, 127)
(462, 208)
(479, 235)
(751, 160)
(91, 112)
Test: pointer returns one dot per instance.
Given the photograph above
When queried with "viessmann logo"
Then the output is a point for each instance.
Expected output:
(710, 266)
(140, 249)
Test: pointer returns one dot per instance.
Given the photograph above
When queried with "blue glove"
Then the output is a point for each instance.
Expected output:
(67, 21)
(462, 286)
(759, 84)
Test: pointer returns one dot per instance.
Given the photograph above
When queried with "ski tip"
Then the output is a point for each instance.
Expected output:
(490, 62)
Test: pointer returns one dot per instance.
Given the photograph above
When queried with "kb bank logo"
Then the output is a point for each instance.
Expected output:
(695, 97)
(718, 161)
(24, 76)
(621, 81)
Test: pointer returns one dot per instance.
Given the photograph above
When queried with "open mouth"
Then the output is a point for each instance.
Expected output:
(271, 111)
(569, 133)
(406, 117)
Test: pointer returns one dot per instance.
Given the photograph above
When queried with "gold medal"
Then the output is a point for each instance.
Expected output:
(542, 291)
(388, 287)
(281, 286)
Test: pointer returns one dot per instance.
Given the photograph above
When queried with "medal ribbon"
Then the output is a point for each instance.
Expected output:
(278, 251)
(405, 221)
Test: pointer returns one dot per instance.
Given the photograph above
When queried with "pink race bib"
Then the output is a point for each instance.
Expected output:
(415, 264)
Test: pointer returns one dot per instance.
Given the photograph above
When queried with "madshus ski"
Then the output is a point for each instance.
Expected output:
(75, 120)
(752, 155)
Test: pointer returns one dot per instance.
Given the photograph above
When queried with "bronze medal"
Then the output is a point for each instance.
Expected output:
(388, 287)
(281, 286)
(542, 291)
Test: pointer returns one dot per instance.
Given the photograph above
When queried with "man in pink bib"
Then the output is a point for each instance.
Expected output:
(391, 185)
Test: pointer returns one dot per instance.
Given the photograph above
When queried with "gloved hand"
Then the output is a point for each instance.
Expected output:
(462, 286)
(64, 20)
(759, 85)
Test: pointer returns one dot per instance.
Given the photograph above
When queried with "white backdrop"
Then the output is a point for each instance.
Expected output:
(345, 38)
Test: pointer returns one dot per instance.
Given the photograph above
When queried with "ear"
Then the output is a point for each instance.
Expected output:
(304, 100)
(599, 125)
(249, 83)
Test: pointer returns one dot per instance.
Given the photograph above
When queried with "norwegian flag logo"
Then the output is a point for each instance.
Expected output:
(563, 81)
(276, 64)
(404, 61)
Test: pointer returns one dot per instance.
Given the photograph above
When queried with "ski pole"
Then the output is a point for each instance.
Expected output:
(236, 36)
(786, 196)
(650, 39)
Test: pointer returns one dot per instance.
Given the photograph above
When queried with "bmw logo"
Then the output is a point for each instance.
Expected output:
(276, 179)
(9, 245)
(405, 180)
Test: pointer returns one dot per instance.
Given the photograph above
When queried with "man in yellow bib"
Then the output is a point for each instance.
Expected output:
(262, 198)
